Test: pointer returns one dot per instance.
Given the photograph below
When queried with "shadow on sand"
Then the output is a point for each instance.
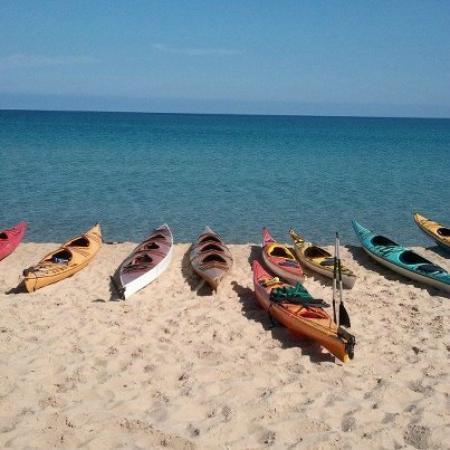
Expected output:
(19, 289)
(115, 294)
(254, 312)
(364, 260)
(194, 281)
(255, 253)
(439, 251)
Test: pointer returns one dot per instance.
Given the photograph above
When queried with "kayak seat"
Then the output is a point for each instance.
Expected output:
(429, 268)
(316, 252)
(281, 252)
(445, 232)
(212, 247)
(3, 236)
(80, 242)
(409, 257)
(383, 241)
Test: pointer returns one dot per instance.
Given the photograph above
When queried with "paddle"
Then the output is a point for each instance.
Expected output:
(344, 317)
(334, 282)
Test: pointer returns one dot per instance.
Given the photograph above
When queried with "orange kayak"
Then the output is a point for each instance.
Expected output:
(280, 259)
(308, 321)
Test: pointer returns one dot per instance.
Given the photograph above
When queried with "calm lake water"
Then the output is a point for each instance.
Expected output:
(64, 171)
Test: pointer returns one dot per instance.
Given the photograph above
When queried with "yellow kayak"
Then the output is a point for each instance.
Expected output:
(319, 260)
(64, 262)
(437, 232)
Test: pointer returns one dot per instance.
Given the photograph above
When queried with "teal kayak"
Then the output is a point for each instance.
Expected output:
(402, 260)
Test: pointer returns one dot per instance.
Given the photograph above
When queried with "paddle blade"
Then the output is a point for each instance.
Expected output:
(344, 318)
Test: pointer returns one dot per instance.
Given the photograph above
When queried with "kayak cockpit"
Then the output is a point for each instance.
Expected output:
(3, 236)
(82, 241)
(62, 256)
(316, 252)
(151, 246)
(444, 232)
(280, 252)
(212, 247)
(329, 262)
(429, 268)
(383, 241)
(409, 257)
(213, 258)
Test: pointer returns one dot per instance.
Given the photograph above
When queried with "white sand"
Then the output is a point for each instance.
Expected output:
(171, 368)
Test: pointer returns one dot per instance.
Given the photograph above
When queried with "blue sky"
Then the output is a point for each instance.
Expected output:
(267, 57)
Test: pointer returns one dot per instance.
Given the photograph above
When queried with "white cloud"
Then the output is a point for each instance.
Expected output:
(196, 51)
(23, 60)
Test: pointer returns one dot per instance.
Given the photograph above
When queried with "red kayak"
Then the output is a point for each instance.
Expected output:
(11, 238)
(280, 260)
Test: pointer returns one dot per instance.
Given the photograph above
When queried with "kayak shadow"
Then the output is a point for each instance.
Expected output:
(252, 311)
(255, 253)
(114, 294)
(19, 289)
(365, 261)
(194, 281)
(322, 280)
(439, 251)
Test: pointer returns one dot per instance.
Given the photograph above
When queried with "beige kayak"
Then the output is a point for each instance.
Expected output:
(64, 262)
(210, 258)
(319, 260)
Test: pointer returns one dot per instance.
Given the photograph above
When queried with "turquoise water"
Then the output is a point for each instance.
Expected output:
(63, 171)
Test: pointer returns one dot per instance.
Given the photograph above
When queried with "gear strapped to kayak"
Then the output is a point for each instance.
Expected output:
(297, 295)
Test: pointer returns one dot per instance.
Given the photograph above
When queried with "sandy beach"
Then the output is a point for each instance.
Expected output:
(175, 368)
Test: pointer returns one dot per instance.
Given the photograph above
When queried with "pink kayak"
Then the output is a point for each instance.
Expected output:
(280, 260)
(11, 238)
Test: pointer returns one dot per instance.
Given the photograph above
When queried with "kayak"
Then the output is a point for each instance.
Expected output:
(436, 231)
(402, 260)
(210, 258)
(11, 238)
(319, 260)
(307, 321)
(64, 262)
(280, 260)
(145, 263)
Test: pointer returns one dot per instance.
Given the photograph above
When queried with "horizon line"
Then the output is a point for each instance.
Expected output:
(221, 114)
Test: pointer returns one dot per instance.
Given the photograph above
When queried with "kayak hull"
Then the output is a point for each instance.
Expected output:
(280, 260)
(315, 264)
(408, 274)
(210, 258)
(391, 255)
(436, 231)
(311, 322)
(47, 272)
(146, 262)
(11, 238)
